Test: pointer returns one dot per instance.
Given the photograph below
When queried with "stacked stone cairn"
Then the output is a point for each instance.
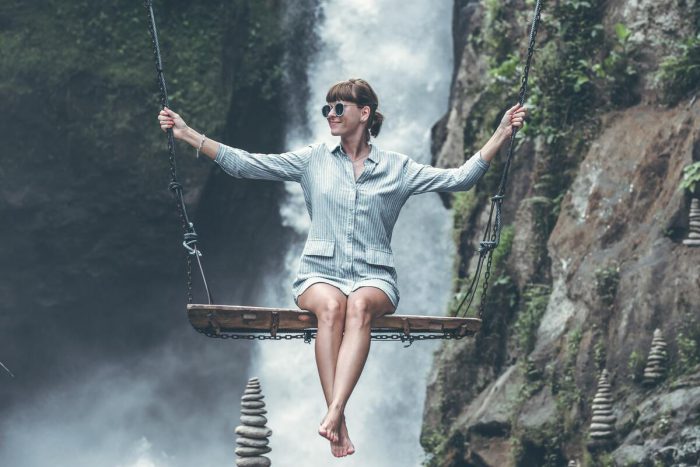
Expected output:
(694, 227)
(602, 430)
(253, 434)
(656, 363)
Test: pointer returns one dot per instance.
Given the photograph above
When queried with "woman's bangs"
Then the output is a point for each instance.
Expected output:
(341, 91)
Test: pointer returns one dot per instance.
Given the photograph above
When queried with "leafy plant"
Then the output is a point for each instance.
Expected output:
(691, 177)
(607, 280)
(679, 73)
(535, 300)
(635, 365)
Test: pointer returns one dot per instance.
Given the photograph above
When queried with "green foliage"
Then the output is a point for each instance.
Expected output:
(564, 385)
(635, 366)
(464, 204)
(605, 460)
(607, 279)
(599, 354)
(438, 446)
(433, 444)
(535, 300)
(679, 74)
(688, 344)
(496, 31)
(502, 252)
(691, 177)
(503, 288)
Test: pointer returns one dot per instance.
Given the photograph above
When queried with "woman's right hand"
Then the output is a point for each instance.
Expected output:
(169, 119)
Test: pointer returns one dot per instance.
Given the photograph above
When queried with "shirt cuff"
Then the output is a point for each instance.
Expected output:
(220, 153)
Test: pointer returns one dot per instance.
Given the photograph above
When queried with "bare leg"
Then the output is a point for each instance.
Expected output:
(328, 304)
(363, 305)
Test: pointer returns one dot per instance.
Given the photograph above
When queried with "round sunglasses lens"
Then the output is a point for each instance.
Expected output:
(325, 110)
(339, 109)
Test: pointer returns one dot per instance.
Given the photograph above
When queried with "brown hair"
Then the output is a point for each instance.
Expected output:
(360, 92)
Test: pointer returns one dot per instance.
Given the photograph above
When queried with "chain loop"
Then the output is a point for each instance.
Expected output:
(308, 336)
(492, 231)
(190, 240)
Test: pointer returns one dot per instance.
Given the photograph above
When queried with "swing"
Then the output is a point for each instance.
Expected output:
(250, 322)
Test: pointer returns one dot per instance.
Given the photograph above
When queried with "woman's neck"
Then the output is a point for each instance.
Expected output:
(356, 147)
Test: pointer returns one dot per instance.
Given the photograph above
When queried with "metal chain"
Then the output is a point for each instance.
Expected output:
(489, 244)
(307, 336)
(190, 235)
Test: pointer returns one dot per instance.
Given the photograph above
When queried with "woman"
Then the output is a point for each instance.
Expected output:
(353, 193)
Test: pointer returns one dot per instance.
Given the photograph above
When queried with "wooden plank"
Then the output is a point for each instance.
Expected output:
(234, 318)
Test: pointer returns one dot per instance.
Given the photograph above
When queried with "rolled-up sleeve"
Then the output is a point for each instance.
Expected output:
(288, 166)
(421, 178)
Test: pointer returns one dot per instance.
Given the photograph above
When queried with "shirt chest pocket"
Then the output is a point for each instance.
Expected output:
(380, 257)
(315, 247)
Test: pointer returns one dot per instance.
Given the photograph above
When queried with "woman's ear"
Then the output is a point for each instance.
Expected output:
(366, 112)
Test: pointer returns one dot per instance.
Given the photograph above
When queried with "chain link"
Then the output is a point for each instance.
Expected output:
(175, 186)
(487, 247)
(308, 336)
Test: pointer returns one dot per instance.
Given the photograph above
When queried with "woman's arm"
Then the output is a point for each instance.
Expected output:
(209, 148)
(170, 119)
(514, 117)
(288, 166)
(420, 178)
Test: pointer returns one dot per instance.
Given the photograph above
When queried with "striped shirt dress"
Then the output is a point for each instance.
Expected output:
(349, 242)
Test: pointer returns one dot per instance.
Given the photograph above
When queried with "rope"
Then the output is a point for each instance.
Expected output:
(492, 232)
(175, 187)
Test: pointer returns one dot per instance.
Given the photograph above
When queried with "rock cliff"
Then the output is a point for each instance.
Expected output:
(591, 260)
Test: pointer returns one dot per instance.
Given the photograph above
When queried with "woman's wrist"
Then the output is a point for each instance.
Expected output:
(191, 137)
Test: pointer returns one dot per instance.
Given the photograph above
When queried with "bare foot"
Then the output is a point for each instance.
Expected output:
(330, 426)
(344, 446)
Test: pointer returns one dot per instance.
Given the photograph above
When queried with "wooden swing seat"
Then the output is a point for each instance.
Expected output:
(251, 319)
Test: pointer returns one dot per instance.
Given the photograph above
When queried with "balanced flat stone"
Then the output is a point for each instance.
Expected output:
(252, 397)
(253, 411)
(603, 419)
(252, 443)
(253, 404)
(249, 452)
(258, 461)
(253, 432)
(253, 420)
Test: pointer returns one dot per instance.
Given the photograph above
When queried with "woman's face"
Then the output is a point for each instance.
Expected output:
(352, 120)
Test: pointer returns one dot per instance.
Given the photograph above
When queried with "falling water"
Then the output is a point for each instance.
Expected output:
(404, 50)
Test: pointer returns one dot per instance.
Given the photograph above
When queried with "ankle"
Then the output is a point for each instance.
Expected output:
(337, 407)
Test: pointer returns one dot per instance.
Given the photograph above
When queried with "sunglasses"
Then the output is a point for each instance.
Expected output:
(339, 108)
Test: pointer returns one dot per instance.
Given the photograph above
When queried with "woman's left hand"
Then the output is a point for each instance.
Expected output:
(514, 117)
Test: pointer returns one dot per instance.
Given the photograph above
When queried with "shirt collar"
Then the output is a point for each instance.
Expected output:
(373, 152)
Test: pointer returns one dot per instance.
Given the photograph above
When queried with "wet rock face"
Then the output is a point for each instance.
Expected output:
(614, 261)
(666, 428)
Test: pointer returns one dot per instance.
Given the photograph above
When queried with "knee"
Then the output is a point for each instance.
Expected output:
(358, 314)
(332, 314)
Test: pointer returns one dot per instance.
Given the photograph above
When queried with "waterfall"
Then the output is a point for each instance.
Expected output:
(404, 50)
